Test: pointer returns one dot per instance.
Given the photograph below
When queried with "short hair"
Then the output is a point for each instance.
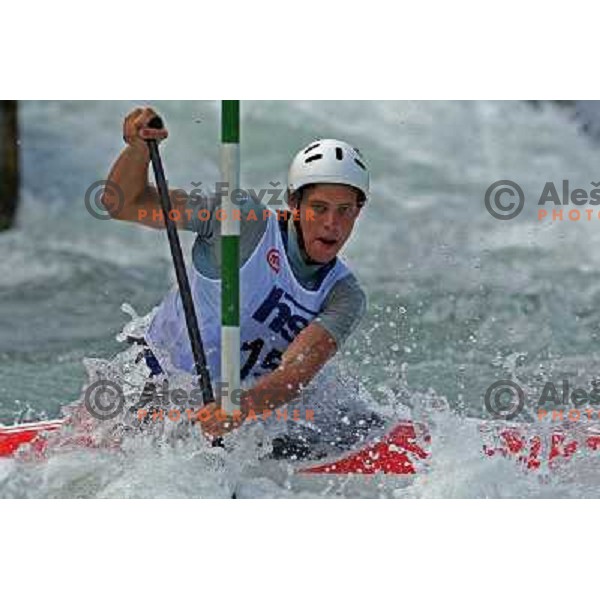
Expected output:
(298, 194)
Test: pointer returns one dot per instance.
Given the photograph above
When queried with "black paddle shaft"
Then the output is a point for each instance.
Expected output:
(179, 264)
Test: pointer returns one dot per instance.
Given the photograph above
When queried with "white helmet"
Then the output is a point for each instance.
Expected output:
(329, 161)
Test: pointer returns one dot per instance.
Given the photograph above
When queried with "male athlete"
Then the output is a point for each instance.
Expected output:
(299, 302)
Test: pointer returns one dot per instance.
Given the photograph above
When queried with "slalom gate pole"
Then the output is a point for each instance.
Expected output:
(230, 254)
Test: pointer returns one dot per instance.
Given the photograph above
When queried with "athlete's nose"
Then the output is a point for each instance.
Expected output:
(331, 221)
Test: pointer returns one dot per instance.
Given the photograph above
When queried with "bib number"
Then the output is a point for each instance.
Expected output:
(269, 362)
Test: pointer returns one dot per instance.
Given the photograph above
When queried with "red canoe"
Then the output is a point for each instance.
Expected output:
(11, 438)
(404, 450)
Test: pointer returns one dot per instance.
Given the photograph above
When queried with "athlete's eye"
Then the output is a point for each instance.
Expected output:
(347, 211)
(319, 208)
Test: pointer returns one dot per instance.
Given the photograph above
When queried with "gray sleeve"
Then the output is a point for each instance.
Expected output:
(204, 222)
(344, 307)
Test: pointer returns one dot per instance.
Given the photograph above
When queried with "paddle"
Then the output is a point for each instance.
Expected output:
(180, 272)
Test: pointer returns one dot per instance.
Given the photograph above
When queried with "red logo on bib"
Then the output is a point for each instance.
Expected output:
(273, 259)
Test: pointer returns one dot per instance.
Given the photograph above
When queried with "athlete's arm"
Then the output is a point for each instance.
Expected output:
(128, 195)
(342, 311)
(303, 359)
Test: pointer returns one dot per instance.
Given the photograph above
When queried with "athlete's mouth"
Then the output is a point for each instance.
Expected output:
(327, 242)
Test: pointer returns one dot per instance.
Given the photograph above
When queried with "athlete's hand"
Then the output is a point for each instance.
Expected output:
(215, 423)
(136, 130)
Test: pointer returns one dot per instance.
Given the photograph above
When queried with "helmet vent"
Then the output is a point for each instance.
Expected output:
(338, 153)
(361, 165)
(311, 148)
(313, 157)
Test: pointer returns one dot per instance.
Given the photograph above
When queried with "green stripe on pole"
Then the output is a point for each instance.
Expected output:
(230, 122)
(230, 305)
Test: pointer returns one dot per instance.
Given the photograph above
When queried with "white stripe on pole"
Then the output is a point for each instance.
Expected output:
(230, 355)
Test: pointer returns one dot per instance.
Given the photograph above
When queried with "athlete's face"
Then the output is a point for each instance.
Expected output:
(327, 215)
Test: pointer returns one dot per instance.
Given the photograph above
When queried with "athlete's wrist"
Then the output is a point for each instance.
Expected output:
(247, 404)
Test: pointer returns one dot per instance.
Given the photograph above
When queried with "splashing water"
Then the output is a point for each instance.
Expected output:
(457, 299)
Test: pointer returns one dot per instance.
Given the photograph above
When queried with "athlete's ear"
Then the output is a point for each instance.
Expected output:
(360, 202)
(292, 199)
